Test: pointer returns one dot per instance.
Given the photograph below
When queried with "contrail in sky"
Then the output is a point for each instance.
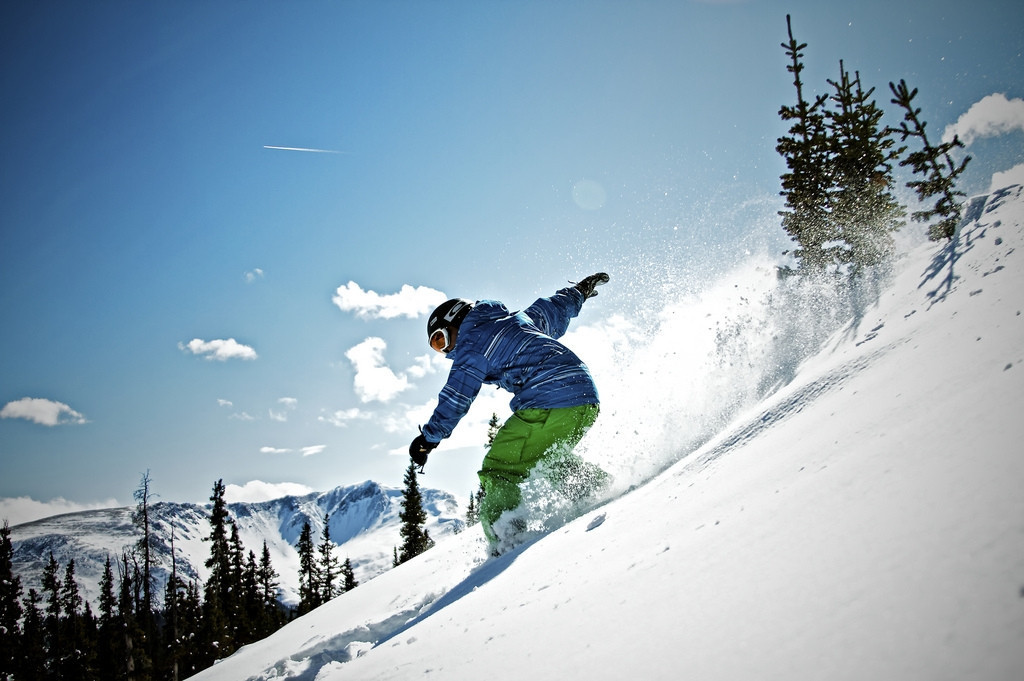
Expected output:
(315, 151)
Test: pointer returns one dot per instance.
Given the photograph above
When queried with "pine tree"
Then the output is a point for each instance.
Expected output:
(252, 603)
(235, 599)
(173, 594)
(349, 582)
(108, 648)
(32, 661)
(328, 564)
(475, 499)
(216, 635)
(10, 607)
(172, 633)
(89, 637)
(190, 613)
(864, 212)
(493, 426)
(472, 513)
(808, 155)
(267, 584)
(141, 519)
(309, 592)
(146, 644)
(135, 662)
(842, 212)
(934, 162)
(473, 510)
(51, 619)
(76, 661)
(415, 538)
(144, 612)
(183, 659)
(219, 561)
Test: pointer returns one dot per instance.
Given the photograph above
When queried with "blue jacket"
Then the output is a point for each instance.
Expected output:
(517, 351)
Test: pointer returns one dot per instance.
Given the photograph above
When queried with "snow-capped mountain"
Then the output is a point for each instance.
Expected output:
(363, 521)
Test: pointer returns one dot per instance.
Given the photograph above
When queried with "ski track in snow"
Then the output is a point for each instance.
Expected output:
(942, 269)
(792, 403)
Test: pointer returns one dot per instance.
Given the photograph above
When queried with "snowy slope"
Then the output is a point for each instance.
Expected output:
(863, 521)
(364, 524)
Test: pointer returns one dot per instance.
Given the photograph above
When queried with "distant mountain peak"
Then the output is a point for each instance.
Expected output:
(363, 520)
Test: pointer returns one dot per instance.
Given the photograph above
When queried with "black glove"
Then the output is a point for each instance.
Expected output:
(588, 287)
(419, 449)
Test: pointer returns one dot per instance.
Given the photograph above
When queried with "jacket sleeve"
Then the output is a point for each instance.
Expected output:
(552, 315)
(456, 397)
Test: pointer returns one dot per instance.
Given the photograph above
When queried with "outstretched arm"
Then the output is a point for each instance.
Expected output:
(552, 315)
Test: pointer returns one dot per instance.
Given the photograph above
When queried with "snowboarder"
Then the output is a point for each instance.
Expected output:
(554, 399)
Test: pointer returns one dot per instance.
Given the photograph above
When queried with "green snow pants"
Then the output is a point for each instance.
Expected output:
(529, 437)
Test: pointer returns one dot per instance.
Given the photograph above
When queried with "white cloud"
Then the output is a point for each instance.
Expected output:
(407, 421)
(1014, 175)
(426, 364)
(257, 490)
(343, 417)
(304, 451)
(472, 429)
(253, 275)
(243, 416)
(408, 302)
(603, 344)
(374, 380)
(289, 403)
(992, 115)
(17, 510)
(42, 411)
(220, 349)
(225, 403)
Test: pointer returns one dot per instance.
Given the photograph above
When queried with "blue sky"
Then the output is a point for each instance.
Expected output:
(161, 202)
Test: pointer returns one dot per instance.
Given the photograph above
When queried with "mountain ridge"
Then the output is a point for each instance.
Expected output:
(363, 521)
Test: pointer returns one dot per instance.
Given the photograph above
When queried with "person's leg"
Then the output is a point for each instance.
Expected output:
(506, 465)
(527, 437)
(567, 471)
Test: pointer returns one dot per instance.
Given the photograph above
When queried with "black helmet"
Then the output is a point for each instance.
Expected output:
(448, 316)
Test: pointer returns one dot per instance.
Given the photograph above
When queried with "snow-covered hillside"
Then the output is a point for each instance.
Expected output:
(363, 522)
(864, 519)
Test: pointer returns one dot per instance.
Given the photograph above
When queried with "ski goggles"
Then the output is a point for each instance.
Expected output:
(441, 340)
